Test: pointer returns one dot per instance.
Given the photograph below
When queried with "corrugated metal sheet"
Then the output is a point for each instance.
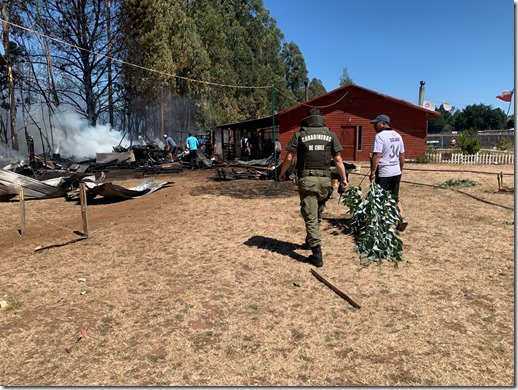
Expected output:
(11, 183)
(114, 191)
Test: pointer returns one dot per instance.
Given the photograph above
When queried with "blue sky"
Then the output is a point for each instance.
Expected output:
(463, 50)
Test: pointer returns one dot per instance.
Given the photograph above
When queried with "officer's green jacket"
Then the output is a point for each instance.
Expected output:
(314, 144)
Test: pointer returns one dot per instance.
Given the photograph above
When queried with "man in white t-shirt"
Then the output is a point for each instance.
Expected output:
(388, 157)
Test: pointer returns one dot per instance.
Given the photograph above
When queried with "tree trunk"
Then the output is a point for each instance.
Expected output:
(10, 78)
(109, 61)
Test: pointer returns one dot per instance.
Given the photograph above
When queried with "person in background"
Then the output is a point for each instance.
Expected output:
(277, 150)
(201, 144)
(245, 146)
(388, 158)
(192, 144)
(170, 146)
(314, 146)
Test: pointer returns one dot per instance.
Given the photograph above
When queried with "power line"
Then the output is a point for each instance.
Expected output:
(135, 65)
(165, 73)
(308, 105)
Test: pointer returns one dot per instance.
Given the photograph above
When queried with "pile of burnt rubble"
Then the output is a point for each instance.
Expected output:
(147, 157)
(43, 176)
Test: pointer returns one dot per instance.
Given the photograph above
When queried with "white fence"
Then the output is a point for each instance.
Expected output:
(449, 157)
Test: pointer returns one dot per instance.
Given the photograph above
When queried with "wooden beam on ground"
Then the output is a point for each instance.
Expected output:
(340, 293)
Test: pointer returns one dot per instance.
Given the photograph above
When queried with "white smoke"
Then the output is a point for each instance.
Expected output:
(74, 138)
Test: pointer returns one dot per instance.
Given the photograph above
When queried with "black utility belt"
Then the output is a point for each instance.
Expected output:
(314, 172)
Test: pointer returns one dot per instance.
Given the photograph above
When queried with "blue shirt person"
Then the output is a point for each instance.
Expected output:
(192, 144)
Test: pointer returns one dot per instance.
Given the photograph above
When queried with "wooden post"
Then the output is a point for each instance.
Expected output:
(21, 231)
(82, 197)
(500, 177)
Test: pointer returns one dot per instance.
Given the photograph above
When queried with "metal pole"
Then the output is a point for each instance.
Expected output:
(421, 93)
(507, 115)
(273, 132)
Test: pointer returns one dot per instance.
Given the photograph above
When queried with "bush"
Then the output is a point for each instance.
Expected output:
(468, 144)
(458, 183)
(505, 143)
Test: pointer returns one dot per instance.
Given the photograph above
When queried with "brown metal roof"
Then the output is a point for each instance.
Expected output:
(257, 123)
(314, 102)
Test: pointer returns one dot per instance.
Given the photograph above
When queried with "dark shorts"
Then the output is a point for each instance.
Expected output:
(390, 184)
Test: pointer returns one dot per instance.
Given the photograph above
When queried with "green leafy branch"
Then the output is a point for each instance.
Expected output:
(458, 183)
(372, 224)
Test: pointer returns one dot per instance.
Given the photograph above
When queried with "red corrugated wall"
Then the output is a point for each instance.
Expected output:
(355, 107)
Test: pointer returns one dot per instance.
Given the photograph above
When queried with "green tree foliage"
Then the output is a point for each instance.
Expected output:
(151, 29)
(243, 44)
(480, 117)
(229, 43)
(372, 224)
(181, 61)
(473, 118)
(443, 123)
(468, 144)
(345, 78)
(295, 70)
(315, 88)
(510, 122)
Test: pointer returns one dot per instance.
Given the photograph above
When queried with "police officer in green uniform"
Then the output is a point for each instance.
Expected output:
(315, 145)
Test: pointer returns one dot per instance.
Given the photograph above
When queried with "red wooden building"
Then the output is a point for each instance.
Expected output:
(347, 111)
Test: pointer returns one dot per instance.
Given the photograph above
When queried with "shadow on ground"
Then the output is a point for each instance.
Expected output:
(247, 189)
(273, 245)
(339, 226)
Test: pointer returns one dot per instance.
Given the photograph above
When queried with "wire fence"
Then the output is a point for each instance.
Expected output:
(485, 157)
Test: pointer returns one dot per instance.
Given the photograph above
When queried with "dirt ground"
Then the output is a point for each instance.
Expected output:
(203, 283)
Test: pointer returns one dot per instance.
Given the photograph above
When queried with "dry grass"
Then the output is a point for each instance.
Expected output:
(202, 283)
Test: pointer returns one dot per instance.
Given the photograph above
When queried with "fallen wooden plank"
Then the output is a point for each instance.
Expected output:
(340, 293)
(40, 248)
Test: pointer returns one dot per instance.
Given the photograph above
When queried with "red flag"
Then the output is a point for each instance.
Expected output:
(506, 95)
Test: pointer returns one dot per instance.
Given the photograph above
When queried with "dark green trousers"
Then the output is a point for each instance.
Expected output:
(314, 192)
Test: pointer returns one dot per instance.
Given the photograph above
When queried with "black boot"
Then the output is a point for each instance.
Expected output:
(316, 257)
(305, 246)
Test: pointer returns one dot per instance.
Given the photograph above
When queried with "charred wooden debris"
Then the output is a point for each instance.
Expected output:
(44, 177)
(12, 183)
(262, 169)
(248, 173)
(266, 170)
